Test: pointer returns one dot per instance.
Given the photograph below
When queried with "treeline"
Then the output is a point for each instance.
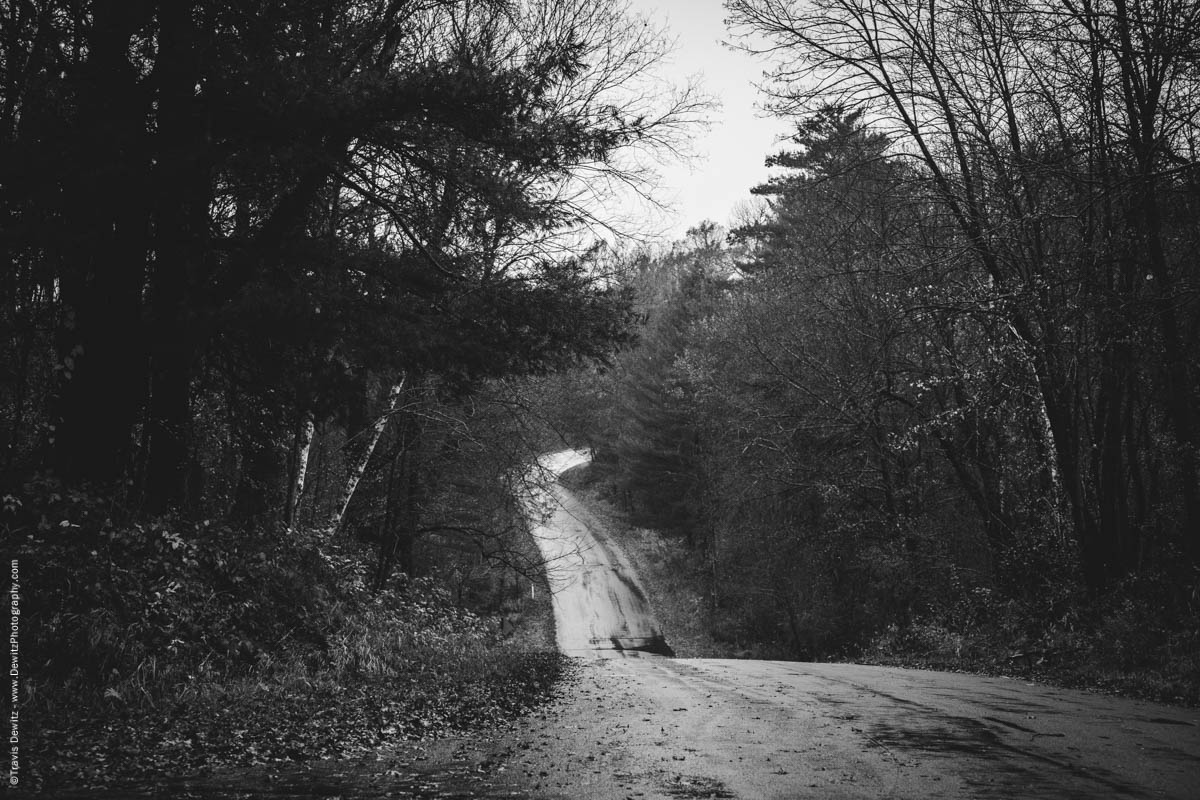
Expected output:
(944, 376)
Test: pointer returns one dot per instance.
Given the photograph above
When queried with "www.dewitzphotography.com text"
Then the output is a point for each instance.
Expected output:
(14, 674)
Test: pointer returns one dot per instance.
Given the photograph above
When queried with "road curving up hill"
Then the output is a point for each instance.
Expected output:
(599, 603)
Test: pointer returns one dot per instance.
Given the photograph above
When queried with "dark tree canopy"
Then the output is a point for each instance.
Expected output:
(269, 207)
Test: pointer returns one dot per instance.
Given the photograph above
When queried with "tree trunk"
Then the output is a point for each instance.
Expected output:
(1144, 69)
(359, 464)
(183, 196)
(301, 448)
(398, 535)
(1117, 540)
(103, 258)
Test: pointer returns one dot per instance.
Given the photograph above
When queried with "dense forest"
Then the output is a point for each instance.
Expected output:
(279, 281)
(294, 291)
(936, 391)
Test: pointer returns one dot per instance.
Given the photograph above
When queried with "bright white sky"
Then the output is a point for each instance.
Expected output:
(729, 157)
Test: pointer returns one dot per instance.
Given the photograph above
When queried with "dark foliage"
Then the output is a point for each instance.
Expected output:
(271, 272)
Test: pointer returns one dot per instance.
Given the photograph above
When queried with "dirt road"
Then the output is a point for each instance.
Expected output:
(654, 728)
(598, 602)
(644, 726)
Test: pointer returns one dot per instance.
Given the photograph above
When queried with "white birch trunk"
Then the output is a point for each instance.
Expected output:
(360, 464)
(304, 440)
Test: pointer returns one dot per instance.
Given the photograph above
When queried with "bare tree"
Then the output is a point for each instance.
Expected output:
(1011, 110)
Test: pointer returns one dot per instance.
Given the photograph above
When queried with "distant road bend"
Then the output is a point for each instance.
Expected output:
(641, 725)
(599, 603)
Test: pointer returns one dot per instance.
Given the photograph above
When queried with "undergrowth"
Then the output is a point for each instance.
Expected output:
(169, 645)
